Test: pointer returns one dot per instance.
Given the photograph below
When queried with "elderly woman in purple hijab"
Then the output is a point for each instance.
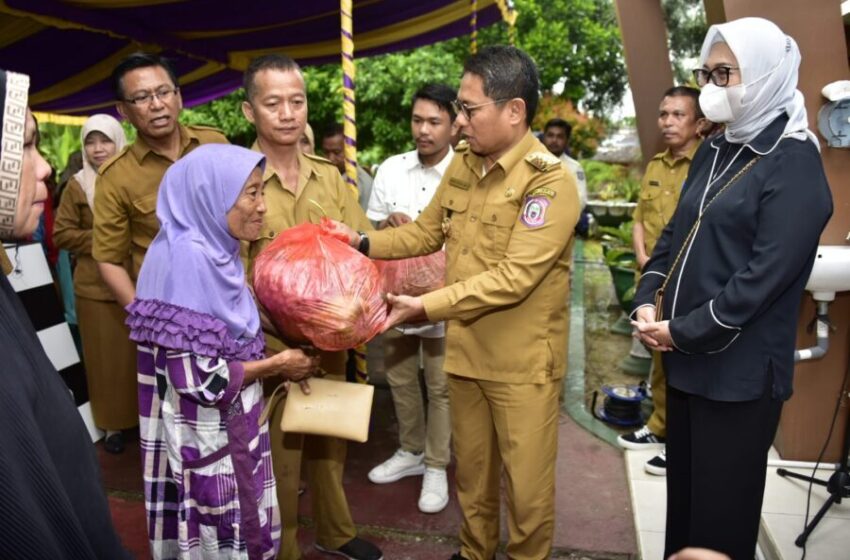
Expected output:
(209, 487)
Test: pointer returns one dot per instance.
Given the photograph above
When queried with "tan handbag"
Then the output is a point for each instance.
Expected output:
(333, 408)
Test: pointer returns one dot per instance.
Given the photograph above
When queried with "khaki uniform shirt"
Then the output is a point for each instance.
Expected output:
(322, 192)
(659, 193)
(72, 231)
(6, 266)
(125, 220)
(508, 237)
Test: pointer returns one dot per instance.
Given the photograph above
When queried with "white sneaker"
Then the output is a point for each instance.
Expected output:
(435, 491)
(398, 466)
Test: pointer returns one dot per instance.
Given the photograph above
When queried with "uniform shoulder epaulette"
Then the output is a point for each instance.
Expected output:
(205, 127)
(462, 146)
(106, 164)
(321, 159)
(543, 161)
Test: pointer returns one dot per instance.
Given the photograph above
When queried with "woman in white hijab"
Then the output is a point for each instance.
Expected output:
(109, 356)
(721, 293)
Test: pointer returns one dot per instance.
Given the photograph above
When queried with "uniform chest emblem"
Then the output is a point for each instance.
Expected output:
(534, 211)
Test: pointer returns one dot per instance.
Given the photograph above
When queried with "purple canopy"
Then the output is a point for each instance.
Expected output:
(70, 47)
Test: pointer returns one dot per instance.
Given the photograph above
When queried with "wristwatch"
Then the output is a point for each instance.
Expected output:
(363, 247)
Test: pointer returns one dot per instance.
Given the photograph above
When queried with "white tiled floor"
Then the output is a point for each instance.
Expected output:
(782, 514)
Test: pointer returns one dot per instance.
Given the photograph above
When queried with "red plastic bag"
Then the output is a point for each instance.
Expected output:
(414, 276)
(317, 289)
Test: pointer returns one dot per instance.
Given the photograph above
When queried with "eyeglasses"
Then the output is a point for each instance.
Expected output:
(462, 108)
(163, 94)
(719, 76)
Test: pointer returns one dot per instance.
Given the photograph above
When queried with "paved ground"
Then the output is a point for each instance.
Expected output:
(594, 518)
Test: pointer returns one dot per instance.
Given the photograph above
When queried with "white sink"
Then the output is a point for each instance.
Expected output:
(831, 272)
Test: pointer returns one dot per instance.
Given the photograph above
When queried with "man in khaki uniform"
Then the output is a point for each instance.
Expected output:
(125, 194)
(679, 119)
(300, 188)
(333, 148)
(505, 209)
(125, 221)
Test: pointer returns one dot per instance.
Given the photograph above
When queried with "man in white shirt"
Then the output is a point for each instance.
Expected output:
(403, 187)
(556, 138)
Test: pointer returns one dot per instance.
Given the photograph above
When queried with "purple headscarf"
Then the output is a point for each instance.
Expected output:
(193, 263)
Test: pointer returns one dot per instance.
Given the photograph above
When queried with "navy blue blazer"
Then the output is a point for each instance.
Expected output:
(734, 298)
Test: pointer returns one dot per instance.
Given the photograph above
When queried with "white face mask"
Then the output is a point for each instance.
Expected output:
(722, 104)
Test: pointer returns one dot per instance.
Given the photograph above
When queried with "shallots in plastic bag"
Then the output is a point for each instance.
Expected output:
(414, 276)
(317, 289)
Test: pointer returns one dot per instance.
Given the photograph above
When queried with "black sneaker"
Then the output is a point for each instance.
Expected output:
(114, 444)
(641, 439)
(355, 549)
(657, 465)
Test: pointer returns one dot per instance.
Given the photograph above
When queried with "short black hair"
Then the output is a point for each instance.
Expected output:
(560, 123)
(336, 129)
(139, 60)
(266, 62)
(686, 91)
(507, 73)
(441, 94)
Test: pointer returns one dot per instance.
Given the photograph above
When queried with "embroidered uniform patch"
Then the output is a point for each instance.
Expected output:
(534, 211)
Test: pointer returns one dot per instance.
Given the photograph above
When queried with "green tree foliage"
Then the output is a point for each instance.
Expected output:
(576, 43)
(56, 142)
(384, 90)
(385, 86)
(686, 28)
(224, 113)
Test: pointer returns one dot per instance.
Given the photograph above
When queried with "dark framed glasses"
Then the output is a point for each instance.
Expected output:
(163, 94)
(719, 76)
(467, 110)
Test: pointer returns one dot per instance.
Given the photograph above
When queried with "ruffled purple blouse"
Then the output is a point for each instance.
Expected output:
(158, 323)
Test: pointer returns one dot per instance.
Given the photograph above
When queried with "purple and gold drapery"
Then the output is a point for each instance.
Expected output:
(70, 47)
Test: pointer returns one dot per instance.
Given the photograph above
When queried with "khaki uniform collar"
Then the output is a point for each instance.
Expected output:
(508, 161)
(140, 149)
(667, 155)
(307, 168)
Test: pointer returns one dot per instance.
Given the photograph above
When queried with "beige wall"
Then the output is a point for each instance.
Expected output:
(644, 33)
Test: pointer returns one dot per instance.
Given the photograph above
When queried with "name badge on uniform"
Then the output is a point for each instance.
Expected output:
(455, 182)
(534, 211)
(654, 184)
(542, 191)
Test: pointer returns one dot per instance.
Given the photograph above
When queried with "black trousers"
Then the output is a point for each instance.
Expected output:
(716, 466)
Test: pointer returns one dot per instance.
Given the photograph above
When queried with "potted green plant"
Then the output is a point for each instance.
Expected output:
(612, 190)
(618, 251)
(620, 258)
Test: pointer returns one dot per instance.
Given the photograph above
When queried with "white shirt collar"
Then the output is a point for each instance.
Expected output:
(412, 161)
